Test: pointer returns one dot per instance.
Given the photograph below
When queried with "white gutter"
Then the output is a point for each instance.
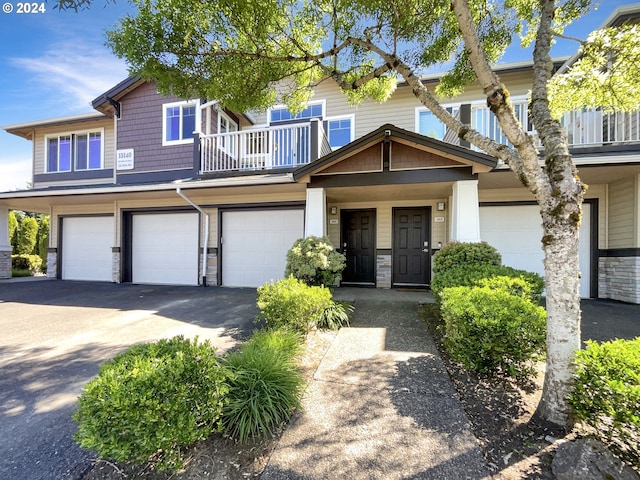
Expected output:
(206, 234)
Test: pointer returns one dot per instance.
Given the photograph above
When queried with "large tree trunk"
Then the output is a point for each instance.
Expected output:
(563, 310)
(559, 193)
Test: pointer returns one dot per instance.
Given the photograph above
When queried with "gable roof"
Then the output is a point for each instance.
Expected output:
(390, 132)
(104, 103)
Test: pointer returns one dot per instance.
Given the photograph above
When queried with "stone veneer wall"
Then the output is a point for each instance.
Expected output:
(212, 268)
(52, 263)
(115, 265)
(383, 271)
(619, 278)
(5, 263)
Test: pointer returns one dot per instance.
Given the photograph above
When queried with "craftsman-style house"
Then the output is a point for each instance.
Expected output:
(154, 189)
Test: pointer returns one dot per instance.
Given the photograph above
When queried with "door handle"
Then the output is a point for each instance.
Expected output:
(425, 250)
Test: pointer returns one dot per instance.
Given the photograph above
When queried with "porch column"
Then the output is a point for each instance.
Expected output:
(465, 212)
(315, 214)
(5, 245)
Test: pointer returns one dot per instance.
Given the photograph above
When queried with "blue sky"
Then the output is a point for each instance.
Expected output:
(54, 63)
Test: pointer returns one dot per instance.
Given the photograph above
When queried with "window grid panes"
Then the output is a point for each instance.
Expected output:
(179, 122)
(431, 126)
(284, 115)
(83, 151)
(339, 132)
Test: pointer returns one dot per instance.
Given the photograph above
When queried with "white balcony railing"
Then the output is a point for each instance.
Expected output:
(267, 148)
(585, 128)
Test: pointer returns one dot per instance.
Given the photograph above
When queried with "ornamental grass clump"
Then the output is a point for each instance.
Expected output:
(265, 385)
(315, 261)
(606, 394)
(149, 402)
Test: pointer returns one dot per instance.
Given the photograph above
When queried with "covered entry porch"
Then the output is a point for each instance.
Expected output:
(390, 200)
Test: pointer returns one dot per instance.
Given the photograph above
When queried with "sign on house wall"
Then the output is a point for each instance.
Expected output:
(124, 159)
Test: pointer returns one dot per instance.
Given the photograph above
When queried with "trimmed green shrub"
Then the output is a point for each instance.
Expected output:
(151, 400)
(521, 285)
(291, 303)
(606, 394)
(492, 331)
(43, 240)
(26, 262)
(13, 228)
(457, 254)
(27, 235)
(315, 261)
(335, 316)
(265, 385)
(475, 275)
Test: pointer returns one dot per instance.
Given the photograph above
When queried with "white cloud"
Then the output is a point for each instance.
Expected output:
(16, 173)
(75, 71)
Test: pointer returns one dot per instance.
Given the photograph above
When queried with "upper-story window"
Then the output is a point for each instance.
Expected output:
(180, 120)
(340, 131)
(74, 151)
(430, 125)
(226, 125)
(282, 114)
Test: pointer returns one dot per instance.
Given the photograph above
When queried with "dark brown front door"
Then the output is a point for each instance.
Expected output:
(411, 248)
(359, 246)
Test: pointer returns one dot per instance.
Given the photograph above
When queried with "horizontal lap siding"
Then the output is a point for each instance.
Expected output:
(622, 198)
(105, 124)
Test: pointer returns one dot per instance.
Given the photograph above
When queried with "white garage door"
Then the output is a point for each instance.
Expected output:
(86, 248)
(255, 244)
(164, 248)
(516, 231)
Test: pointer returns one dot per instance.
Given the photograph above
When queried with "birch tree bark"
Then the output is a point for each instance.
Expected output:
(559, 193)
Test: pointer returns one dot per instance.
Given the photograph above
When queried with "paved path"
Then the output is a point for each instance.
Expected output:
(380, 406)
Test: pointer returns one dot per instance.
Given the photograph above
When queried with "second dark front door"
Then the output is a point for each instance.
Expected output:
(358, 246)
(411, 250)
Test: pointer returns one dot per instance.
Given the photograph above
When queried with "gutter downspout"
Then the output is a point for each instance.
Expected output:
(206, 234)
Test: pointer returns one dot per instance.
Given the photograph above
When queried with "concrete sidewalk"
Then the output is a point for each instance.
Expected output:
(381, 405)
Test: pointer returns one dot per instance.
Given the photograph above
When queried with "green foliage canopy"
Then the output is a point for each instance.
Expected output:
(234, 51)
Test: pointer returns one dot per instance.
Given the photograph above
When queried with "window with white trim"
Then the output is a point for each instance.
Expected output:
(282, 114)
(179, 122)
(74, 151)
(430, 125)
(340, 131)
(226, 125)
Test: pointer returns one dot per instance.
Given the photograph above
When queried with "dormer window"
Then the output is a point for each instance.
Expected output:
(74, 151)
(179, 122)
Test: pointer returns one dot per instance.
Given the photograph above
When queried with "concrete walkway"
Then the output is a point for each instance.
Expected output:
(381, 405)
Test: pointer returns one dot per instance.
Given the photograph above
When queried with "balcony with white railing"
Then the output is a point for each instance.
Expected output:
(585, 128)
(280, 147)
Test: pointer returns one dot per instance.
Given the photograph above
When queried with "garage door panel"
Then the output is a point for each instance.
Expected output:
(86, 248)
(255, 245)
(516, 231)
(165, 248)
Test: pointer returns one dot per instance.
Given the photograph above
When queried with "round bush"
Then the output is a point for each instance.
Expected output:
(291, 303)
(457, 254)
(606, 394)
(485, 274)
(315, 261)
(265, 385)
(492, 331)
(151, 400)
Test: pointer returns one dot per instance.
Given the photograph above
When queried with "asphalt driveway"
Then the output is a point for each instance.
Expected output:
(54, 336)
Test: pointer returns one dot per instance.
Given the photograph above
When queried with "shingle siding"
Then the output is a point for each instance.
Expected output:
(140, 128)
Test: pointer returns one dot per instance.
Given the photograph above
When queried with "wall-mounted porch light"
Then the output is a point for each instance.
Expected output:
(440, 206)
